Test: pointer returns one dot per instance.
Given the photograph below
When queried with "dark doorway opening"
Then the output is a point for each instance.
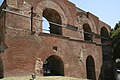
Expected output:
(1, 70)
(90, 68)
(108, 71)
(53, 66)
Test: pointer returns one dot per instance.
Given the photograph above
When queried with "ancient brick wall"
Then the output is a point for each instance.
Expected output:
(24, 48)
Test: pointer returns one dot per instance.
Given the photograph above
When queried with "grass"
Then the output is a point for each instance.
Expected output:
(42, 78)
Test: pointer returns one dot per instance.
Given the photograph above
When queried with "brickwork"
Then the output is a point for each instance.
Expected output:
(24, 48)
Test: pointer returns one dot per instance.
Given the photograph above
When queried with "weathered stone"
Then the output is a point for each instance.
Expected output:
(26, 42)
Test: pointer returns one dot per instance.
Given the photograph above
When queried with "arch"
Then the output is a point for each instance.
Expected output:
(106, 53)
(1, 70)
(82, 19)
(53, 66)
(47, 4)
(104, 35)
(53, 16)
(87, 32)
(52, 5)
(90, 68)
(105, 40)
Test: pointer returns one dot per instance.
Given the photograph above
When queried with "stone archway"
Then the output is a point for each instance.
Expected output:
(81, 20)
(53, 18)
(87, 32)
(90, 68)
(107, 66)
(42, 7)
(105, 40)
(53, 66)
(104, 35)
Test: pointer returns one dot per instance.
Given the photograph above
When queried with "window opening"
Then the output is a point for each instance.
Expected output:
(53, 18)
(87, 33)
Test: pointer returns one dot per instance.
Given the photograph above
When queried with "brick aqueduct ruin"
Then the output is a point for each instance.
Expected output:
(76, 43)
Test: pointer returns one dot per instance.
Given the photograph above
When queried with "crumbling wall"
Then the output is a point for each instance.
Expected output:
(26, 45)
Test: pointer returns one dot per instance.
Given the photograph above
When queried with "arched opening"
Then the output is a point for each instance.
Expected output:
(105, 40)
(90, 68)
(53, 66)
(107, 70)
(1, 70)
(54, 20)
(87, 32)
(104, 35)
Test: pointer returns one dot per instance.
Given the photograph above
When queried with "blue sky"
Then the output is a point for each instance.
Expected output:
(1, 1)
(107, 10)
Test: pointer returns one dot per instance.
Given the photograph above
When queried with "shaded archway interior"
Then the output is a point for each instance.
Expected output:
(53, 16)
(105, 40)
(87, 32)
(90, 68)
(1, 70)
(104, 35)
(53, 66)
(106, 53)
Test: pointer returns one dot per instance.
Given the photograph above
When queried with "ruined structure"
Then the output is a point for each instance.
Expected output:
(72, 45)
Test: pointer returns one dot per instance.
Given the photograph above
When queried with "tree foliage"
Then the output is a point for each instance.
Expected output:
(117, 25)
(115, 38)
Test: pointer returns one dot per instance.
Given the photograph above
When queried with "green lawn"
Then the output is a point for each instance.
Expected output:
(42, 78)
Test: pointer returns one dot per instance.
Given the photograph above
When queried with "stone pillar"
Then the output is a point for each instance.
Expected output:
(38, 66)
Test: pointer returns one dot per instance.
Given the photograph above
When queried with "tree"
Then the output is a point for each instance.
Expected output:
(115, 38)
(117, 25)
